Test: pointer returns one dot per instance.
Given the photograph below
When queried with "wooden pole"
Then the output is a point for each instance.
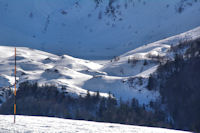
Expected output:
(15, 90)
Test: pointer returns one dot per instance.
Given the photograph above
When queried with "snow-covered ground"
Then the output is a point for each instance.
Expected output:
(125, 77)
(29, 124)
(83, 29)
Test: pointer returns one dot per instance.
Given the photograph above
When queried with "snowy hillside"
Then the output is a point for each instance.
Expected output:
(76, 75)
(46, 124)
(147, 56)
(97, 29)
(45, 68)
(125, 77)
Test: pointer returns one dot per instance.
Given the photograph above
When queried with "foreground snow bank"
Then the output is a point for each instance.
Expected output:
(46, 124)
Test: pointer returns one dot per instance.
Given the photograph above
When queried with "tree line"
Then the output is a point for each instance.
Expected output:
(37, 100)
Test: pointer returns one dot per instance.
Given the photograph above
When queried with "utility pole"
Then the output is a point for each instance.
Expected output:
(15, 89)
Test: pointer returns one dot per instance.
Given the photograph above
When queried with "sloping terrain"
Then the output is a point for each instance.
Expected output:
(125, 77)
(45, 124)
(178, 84)
(97, 29)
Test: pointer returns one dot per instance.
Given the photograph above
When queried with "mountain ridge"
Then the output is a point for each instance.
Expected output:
(102, 31)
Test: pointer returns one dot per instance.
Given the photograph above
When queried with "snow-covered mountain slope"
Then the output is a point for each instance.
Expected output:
(93, 29)
(45, 68)
(139, 61)
(76, 75)
(126, 77)
(46, 124)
